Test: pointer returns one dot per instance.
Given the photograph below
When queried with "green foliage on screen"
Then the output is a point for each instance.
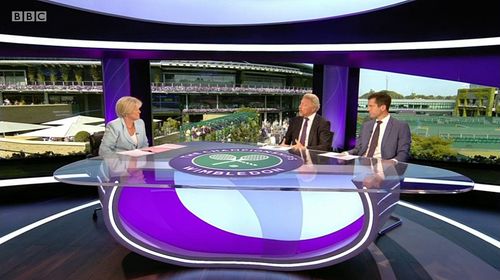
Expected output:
(82, 136)
(242, 126)
(432, 147)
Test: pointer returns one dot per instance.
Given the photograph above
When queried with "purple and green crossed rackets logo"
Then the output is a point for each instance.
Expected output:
(237, 162)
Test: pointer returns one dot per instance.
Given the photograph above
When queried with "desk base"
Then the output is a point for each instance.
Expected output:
(397, 222)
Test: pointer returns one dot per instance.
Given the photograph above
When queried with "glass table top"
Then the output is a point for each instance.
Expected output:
(214, 165)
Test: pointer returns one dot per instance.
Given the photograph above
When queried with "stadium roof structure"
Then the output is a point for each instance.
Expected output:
(9, 127)
(67, 130)
(293, 68)
(76, 120)
(231, 65)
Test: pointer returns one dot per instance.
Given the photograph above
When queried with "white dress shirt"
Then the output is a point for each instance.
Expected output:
(134, 138)
(378, 151)
(309, 125)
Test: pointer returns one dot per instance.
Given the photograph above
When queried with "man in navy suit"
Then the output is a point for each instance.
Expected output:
(309, 130)
(383, 136)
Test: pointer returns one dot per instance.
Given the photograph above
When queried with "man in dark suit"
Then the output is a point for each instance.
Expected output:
(383, 136)
(309, 130)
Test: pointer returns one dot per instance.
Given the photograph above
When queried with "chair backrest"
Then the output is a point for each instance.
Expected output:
(331, 141)
(95, 141)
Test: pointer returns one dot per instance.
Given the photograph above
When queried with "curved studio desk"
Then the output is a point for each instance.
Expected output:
(232, 205)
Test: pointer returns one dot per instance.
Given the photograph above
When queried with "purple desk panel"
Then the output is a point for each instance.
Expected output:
(211, 204)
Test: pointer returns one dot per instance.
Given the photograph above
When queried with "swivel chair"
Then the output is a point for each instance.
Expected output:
(95, 141)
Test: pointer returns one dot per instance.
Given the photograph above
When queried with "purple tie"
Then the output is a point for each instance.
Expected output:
(304, 132)
(374, 142)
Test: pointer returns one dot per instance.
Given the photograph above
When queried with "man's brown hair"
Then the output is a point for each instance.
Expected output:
(381, 98)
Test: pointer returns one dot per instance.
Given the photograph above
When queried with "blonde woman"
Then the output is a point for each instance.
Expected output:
(127, 132)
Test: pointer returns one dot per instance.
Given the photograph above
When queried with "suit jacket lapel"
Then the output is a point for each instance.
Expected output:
(386, 134)
(369, 130)
(312, 132)
(294, 125)
(299, 126)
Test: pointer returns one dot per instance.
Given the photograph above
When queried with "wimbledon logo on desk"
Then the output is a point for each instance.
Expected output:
(237, 162)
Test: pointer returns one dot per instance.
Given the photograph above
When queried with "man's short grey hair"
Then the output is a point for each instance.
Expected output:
(314, 99)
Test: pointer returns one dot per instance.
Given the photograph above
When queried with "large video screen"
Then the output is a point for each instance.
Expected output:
(52, 106)
(448, 119)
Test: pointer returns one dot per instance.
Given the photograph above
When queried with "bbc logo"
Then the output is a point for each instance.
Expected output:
(29, 16)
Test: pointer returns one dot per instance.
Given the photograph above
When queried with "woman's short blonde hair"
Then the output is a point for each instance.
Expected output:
(127, 105)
